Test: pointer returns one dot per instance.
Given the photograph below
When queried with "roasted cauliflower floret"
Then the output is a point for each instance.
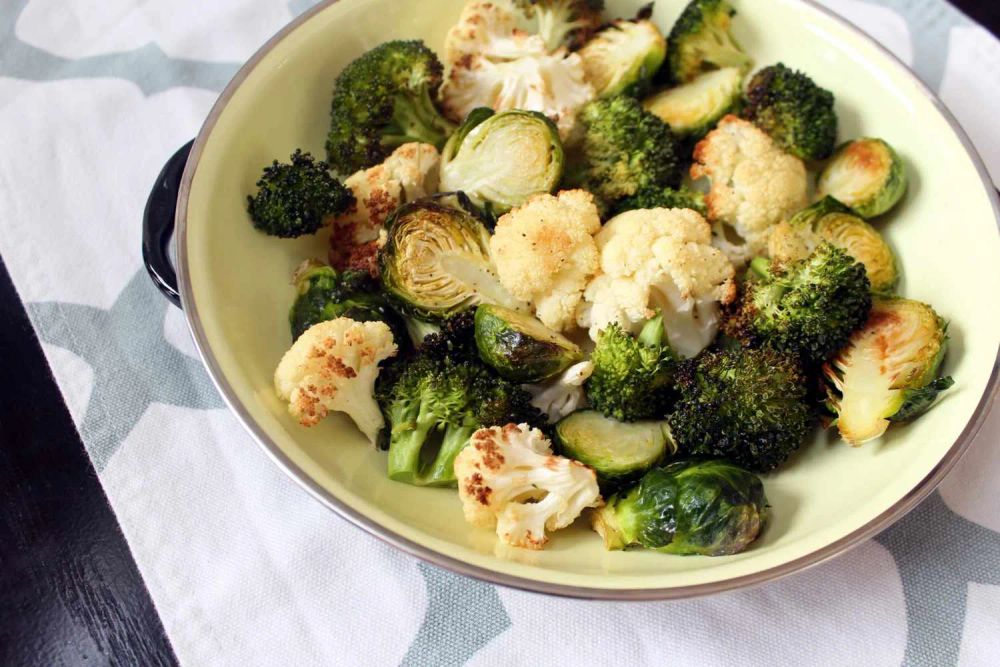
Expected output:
(659, 259)
(562, 394)
(332, 368)
(411, 172)
(509, 478)
(755, 185)
(545, 253)
(495, 62)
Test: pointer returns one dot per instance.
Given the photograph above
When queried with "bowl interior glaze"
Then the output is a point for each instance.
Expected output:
(236, 291)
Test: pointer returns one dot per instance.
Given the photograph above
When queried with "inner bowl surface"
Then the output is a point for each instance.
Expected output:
(236, 292)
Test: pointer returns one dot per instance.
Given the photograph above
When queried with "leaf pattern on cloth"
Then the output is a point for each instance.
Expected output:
(132, 361)
(462, 616)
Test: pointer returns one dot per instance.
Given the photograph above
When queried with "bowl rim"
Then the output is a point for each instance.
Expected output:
(899, 509)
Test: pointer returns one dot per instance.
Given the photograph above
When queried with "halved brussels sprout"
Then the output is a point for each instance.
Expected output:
(619, 452)
(710, 508)
(692, 109)
(500, 160)
(436, 261)
(519, 347)
(866, 175)
(830, 221)
(623, 57)
(889, 370)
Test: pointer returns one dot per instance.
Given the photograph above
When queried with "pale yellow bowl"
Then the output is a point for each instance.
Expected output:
(236, 292)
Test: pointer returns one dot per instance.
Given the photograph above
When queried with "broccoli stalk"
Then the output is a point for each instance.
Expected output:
(294, 198)
(632, 376)
(434, 404)
(810, 307)
(384, 99)
(748, 406)
(794, 111)
(700, 41)
(625, 150)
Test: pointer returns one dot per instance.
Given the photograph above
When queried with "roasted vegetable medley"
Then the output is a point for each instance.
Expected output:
(578, 264)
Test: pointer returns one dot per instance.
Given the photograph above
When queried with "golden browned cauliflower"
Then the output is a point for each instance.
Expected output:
(410, 172)
(659, 260)
(755, 185)
(509, 478)
(332, 368)
(545, 253)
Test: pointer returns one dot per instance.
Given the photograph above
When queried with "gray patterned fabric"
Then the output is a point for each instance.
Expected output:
(246, 569)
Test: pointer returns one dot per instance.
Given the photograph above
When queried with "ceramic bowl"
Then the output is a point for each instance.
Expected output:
(234, 285)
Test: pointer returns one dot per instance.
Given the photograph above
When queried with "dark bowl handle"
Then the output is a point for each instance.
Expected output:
(158, 225)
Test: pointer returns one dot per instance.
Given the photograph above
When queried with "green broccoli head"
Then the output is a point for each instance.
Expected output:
(293, 198)
(325, 294)
(810, 307)
(433, 406)
(663, 198)
(748, 406)
(384, 99)
(794, 111)
(632, 377)
(455, 339)
(700, 41)
(625, 150)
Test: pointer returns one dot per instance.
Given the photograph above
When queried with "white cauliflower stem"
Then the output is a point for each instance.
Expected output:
(545, 253)
(659, 259)
(564, 394)
(332, 368)
(495, 63)
(509, 478)
(754, 185)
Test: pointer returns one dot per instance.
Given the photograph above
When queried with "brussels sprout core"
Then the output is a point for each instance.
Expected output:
(692, 109)
(501, 160)
(710, 508)
(865, 174)
(436, 262)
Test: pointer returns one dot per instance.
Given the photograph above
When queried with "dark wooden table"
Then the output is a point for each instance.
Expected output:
(70, 592)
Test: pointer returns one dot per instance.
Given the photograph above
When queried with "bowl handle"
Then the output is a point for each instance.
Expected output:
(158, 225)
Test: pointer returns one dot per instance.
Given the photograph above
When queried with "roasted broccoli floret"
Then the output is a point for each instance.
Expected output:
(794, 111)
(384, 99)
(700, 41)
(293, 198)
(748, 406)
(663, 198)
(625, 149)
(563, 22)
(455, 339)
(434, 404)
(810, 307)
(325, 294)
(632, 376)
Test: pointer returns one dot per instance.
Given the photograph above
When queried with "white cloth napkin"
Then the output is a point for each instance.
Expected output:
(245, 568)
